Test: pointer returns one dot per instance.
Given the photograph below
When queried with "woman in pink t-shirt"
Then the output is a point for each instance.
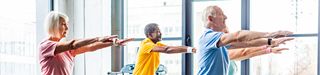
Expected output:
(57, 57)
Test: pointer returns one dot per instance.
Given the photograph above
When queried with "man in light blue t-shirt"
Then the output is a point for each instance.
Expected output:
(213, 56)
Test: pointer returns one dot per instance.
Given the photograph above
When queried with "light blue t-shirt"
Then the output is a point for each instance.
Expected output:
(212, 60)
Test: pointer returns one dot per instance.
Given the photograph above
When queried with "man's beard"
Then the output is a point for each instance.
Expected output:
(159, 38)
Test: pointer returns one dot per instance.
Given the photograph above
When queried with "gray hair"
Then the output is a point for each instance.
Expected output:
(52, 22)
(208, 11)
(149, 28)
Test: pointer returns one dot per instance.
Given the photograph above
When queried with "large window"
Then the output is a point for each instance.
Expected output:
(231, 8)
(166, 13)
(18, 37)
(299, 16)
(97, 22)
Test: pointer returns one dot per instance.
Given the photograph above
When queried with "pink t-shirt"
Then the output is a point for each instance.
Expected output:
(59, 64)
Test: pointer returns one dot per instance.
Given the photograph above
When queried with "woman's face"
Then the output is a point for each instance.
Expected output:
(63, 28)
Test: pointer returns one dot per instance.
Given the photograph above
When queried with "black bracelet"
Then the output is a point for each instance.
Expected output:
(269, 41)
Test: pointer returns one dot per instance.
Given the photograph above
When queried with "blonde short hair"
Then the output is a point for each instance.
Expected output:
(208, 11)
(52, 22)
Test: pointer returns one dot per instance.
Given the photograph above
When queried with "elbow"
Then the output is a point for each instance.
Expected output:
(72, 45)
(241, 36)
(169, 51)
(238, 36)
(244, 52)
(231, 38)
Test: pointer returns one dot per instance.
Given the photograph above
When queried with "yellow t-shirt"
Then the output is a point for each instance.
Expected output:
(147, 62)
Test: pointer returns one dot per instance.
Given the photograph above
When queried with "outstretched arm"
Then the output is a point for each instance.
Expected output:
(99, 45)
(259, 42)
(172, 49)
(75, 44)
(246, 53)
(244, 36)
(240, 52)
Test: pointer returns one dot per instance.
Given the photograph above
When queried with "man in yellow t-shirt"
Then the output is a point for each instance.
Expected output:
(148, 56)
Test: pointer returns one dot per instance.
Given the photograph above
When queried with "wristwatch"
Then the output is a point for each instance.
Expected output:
(269, 41)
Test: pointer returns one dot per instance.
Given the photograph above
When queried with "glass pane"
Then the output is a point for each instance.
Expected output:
(231, 8)
(299, 16)
(171, 61)
(300, 59)
(166, 13)
(18, 37)
(131, 51)
(97, 17)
